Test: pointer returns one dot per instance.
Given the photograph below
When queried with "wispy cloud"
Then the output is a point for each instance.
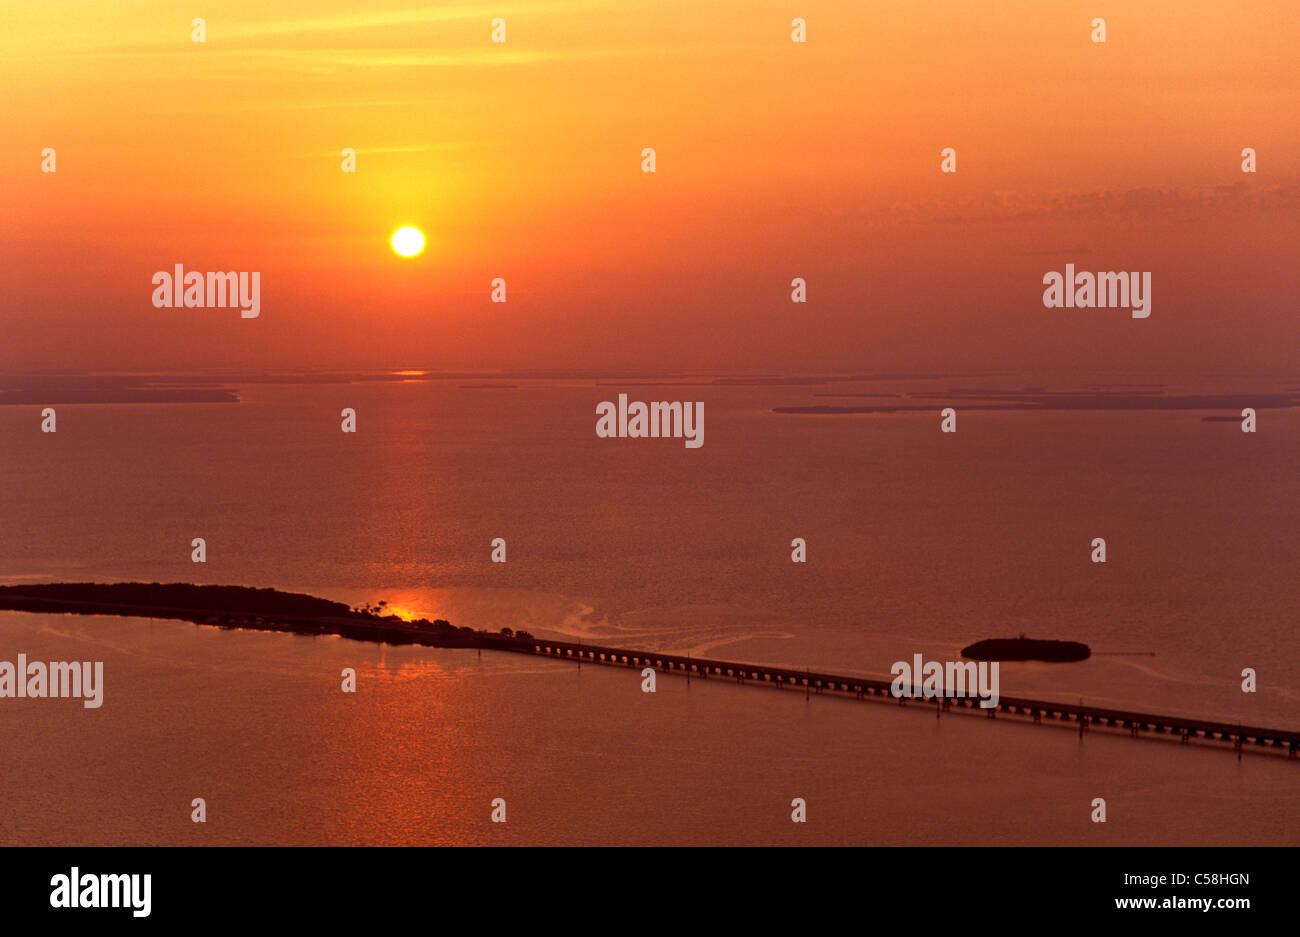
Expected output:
(1153, 203)
(377, 19)
(441, 147)
(233, 62)
(1060, 252)
(226, 35)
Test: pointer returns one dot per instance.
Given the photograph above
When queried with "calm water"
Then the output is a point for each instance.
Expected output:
(919, 542)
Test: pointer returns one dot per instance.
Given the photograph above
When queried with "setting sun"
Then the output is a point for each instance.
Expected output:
(408, 241)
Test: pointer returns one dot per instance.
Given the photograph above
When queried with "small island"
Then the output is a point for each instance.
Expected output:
(1023, 648)
(248, 608)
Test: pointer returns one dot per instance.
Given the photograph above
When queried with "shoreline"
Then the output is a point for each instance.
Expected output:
(272, 610)
(253, 610)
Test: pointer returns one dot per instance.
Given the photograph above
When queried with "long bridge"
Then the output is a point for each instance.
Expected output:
(1138, 723)
(392, 630)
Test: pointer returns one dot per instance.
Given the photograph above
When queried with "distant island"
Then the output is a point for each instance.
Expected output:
(1023, 648)
(250, 608)
(1040, 400)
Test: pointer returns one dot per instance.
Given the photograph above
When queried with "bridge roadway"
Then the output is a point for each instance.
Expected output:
(1187, 728)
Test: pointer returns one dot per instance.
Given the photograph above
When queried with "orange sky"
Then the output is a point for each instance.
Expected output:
(775, 160)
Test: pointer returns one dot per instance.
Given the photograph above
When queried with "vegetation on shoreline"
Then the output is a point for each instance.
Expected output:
(1023, 648)
(244, 607)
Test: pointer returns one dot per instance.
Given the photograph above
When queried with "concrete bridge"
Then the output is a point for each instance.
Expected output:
(1138, 723)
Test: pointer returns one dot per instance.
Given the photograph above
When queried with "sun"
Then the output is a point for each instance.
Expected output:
(408, 241)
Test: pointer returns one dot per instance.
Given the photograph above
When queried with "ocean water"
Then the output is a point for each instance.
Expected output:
(918, 542)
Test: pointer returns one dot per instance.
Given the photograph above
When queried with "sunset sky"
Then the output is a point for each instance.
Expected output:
(775, 159)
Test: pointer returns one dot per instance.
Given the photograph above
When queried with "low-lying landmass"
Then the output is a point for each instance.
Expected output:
(1023, 648)
(1058, 400)
(272, 610)
(245, 607)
